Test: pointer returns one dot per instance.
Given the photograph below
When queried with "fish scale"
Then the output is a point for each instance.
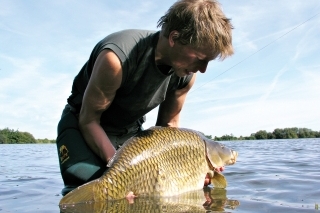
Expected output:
(158, 161)
(163, 158)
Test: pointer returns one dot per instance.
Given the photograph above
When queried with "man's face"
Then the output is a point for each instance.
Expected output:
(187, 59)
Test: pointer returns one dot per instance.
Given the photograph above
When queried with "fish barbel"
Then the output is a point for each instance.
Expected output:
(160, 161)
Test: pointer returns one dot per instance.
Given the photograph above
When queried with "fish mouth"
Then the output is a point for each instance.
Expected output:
(233, 159)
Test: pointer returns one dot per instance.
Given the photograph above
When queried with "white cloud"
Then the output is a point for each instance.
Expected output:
(32, 98)
(45, 44)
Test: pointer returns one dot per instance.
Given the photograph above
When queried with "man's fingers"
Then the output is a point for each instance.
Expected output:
(207, 180)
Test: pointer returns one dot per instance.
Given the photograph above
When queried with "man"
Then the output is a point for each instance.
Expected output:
(128, 74)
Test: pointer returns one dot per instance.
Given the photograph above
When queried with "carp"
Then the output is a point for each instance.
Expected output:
(160, 161)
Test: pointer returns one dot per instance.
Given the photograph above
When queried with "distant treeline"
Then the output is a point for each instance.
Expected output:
(286, 133)
(10, 136)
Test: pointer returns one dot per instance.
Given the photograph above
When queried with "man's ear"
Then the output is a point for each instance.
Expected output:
(173, 37)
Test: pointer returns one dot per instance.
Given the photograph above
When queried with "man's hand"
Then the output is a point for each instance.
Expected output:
(207, 180)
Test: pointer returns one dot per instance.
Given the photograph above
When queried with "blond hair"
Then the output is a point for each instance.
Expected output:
(199, 23)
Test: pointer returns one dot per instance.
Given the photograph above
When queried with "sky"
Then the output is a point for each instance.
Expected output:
(272, 80)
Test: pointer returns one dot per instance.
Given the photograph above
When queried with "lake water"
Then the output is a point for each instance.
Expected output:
(270, 176)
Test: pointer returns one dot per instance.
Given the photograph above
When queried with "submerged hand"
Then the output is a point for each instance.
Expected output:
(207, 180)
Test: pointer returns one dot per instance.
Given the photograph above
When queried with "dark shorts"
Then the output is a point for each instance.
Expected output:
(78, 164)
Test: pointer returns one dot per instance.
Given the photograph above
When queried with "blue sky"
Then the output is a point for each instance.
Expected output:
(272, 80)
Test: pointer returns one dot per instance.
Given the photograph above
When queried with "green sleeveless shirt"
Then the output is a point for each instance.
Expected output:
(143, 85)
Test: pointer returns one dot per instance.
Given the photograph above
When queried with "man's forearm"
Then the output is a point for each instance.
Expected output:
(98, 140)
(174, 122)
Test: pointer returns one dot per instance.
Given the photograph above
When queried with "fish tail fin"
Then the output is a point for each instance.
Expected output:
(82, 194)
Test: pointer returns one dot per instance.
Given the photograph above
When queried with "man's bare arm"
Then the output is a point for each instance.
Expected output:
(170, 108)
(105, 80)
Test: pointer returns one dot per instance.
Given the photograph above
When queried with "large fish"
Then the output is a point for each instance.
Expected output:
(160, 161)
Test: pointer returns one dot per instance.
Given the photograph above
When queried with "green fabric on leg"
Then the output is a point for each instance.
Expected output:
(78, 164)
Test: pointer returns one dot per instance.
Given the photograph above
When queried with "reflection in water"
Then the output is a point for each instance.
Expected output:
(206, 200)
(216, 200)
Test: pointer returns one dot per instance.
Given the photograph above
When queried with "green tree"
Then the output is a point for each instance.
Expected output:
(251, 137)
(14, 136)
(271, 135)
(9, 135)
(262, 134)
(228, 138)
(3, 138)
(209, 136)
(46, 140)
(278, 133)
(26, 137)
(290, 132)
(306, 133)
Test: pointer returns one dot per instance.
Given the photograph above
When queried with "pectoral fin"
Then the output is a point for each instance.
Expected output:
(218, 180)
(82, 194)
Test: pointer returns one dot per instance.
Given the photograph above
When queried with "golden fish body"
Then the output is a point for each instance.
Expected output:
(160, 161)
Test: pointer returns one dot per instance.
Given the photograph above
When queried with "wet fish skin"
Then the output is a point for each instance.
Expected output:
(160, 161)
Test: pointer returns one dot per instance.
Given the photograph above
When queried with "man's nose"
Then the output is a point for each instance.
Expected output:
(203, 67)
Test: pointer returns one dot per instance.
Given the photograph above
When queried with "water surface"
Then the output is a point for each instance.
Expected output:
(270, 176)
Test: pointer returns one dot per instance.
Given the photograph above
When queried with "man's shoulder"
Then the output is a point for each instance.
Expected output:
(131, 34)
(129, 41)
(136, 31)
